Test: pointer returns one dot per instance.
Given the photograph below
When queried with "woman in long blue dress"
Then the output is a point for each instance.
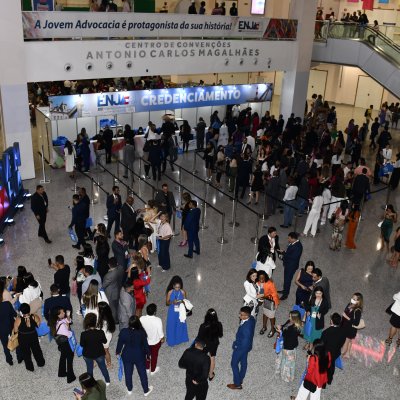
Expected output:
(177, 332)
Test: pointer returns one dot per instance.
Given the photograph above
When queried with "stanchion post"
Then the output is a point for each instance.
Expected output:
(388, 194)
(140, 168)
(44, 180)
(194, 170)
(233, 223)
(203, 211)
(254, 239)
(222, 239)
(180, 180)
(74, 188)
(93, 199)
(295, 219)
(265, 207)
(118, 168)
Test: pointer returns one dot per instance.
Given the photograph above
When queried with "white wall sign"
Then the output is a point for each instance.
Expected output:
(66, 24)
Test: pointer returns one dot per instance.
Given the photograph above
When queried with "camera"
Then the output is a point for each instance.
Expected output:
(68, 67)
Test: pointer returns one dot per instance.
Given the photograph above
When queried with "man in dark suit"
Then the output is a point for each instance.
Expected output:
(78, 220)
(333, 338)
(165, 201)
(56, 300)
(360, 187)
(269, 243)
(84, 198)
(128, 220)
(291, 261)
(114, 204)
(197, 365)
(241, 347)
(192, 226)
(108, 140)
(323, 282)
(112, 284)
(40, 207)
(120, 249)
(245, 147)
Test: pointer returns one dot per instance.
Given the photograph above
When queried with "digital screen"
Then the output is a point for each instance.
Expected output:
(258, 7)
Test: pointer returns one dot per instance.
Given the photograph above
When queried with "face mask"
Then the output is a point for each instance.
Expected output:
(352, 301)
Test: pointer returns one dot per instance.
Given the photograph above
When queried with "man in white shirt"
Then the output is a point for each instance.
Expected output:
(290, 203)
(387, 153)
(155, 336)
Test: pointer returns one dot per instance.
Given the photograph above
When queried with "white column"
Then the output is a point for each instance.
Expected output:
(13, 87)
(295, 81)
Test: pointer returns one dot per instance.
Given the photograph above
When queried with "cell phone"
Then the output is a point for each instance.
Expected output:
(78, 391)
(49, 261)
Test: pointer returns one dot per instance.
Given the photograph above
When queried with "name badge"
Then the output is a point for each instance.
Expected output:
(176, 308)
(314, 314)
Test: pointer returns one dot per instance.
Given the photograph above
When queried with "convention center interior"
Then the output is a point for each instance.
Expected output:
(198, 199)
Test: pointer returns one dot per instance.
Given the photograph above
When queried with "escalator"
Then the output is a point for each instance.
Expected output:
(362, 47)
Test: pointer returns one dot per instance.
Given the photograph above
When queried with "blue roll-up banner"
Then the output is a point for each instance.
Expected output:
(89, 105)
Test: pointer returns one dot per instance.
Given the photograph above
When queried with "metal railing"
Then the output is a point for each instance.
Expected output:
(221, 239)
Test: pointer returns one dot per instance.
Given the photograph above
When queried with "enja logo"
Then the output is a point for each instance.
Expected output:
(249, 25)
(112, 100)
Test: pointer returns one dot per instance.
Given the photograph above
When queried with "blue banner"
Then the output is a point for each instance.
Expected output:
(88, 105)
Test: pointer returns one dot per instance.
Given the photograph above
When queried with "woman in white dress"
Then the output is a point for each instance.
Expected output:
(105, 321)
(69, 157)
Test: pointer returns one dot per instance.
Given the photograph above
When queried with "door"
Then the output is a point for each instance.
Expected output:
(317, 83)
(368, 92)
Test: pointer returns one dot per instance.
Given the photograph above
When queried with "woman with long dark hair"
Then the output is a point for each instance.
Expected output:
(69, 157)
(18, 283)
(59, 324)
(7, 316)
(210, 332)
(133, 348)
(316, 376)
(92, 389)
(304, 281)
(177, 331)
(389, 218)
(340, 216)
(79, 278)
(102, 252)
(92, 341)
(106, 322)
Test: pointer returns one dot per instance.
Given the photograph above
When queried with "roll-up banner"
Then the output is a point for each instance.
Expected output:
(63, 24)
(89, 105)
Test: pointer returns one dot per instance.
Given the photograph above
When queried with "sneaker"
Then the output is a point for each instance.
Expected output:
(155, 371)
(149, 391)
(129, 392)
(108, 383)
(147, 371)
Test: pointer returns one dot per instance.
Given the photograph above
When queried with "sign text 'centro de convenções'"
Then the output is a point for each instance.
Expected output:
(89, 105)
(38, 25)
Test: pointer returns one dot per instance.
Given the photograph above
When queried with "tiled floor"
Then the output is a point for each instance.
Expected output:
(215, 279)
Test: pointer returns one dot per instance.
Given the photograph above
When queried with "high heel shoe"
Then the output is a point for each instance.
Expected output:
(388, 341)
(211, 378)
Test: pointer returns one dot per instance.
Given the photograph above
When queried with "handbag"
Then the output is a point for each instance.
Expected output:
(308, 326)
(72, 235)
(309, 386)
(79, 350)
(188, 307)
(278, 344)
(361, 324)
(43, 329)
(72, 341)
(89, 222)
(339, 363)
(13, 342)
(269, 303)
(120, 368)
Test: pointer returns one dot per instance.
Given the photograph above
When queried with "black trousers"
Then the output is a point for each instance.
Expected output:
(288, 274)
(4, 342)
(111, 220)
(42, 226)
(66, 363)
(108, 154)
(80, 230)
(196, 391)
(156, 171)
(29, 344)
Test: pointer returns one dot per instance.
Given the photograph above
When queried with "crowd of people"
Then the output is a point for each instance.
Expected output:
(305, 167)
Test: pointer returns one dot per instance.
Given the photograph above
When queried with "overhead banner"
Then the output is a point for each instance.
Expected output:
(47, 25)
(90, 105)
